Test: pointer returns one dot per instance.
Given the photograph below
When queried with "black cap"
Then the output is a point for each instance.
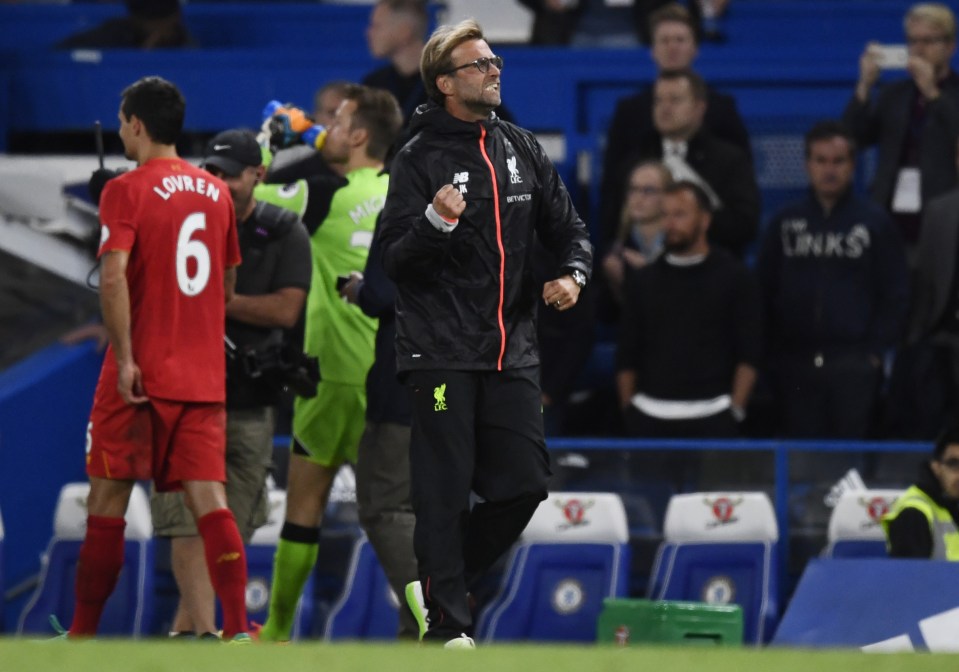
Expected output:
(232, 151)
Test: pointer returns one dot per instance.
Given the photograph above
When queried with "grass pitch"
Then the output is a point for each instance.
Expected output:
(23, 655)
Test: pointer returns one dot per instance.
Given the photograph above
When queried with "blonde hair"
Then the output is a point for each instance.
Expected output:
(625, 224)
(935, 13)
(436, 60)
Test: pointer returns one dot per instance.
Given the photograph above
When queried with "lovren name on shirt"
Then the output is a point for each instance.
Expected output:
(174, 183)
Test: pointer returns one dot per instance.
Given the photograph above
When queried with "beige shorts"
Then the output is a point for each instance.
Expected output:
(249, 456)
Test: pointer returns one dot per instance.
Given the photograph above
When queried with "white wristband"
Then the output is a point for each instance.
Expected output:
(439, 222)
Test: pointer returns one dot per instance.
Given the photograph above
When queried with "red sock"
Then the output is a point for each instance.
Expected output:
(99, 565)
(226, 560)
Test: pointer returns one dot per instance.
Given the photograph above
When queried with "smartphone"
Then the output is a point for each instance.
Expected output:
(341, 281)
(892, 56)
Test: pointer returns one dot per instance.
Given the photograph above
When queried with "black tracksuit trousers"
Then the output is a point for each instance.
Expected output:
(480, 432)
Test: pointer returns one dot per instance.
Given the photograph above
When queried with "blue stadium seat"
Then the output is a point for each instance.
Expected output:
(368, 607)
(854, 529)
(720, 548)
(259, 562)
(573, 554)
(129, 611)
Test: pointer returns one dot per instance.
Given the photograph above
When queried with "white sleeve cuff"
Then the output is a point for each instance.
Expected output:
(438, 221)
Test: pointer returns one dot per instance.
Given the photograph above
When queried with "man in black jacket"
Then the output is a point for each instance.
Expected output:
(833, 274)
(468, 196)
(914, 121)
(691, 152)
(673, 47)
(397, 31)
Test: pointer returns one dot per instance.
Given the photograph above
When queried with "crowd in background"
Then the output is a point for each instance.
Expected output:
(845, 325)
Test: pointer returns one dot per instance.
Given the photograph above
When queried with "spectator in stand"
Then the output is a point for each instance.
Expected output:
(914, 121)
(599, 23)
(639, 239)
(924, 389)
(690, 152)
(690, 339)
(397, 31)
(835, 287)
(149, 24)
(674, 47)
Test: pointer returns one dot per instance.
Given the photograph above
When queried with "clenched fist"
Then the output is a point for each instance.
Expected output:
(449, 203)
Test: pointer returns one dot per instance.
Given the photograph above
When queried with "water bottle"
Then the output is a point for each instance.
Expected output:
(287, 124)
(314, 136)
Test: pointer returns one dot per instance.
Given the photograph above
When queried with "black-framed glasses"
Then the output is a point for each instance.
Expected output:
(482, 64)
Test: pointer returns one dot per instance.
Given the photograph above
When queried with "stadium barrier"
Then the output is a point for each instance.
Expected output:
(876, 604)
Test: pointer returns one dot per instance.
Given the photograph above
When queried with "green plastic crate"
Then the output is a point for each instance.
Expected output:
(625, 622)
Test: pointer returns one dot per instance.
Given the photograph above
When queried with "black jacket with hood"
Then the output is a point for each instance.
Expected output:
(466, 300)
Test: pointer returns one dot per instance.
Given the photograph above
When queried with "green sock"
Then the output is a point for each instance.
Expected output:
(292, 565)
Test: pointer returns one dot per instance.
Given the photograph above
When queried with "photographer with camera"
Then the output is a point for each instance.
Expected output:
(914, 121)
(271, 288)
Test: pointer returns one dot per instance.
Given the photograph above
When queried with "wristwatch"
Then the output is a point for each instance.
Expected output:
(579, 278)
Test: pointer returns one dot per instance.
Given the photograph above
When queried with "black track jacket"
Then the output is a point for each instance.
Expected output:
(466, 300)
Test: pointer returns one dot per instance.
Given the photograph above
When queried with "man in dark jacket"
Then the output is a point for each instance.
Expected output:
(914, 121)
(673, 47)
(691, 152)
(469, 195)
(833, 274)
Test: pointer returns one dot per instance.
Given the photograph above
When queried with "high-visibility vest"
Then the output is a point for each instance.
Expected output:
(945, 535)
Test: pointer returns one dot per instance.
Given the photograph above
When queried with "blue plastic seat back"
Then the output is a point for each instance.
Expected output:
(720, 548)
(573, 553)
(740, 573)
(368, 608)
(555, 592)
(130, 608)
(128, 611)
(855, 530)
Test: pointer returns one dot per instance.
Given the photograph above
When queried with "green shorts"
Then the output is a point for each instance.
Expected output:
(249, 457)
(329, 425)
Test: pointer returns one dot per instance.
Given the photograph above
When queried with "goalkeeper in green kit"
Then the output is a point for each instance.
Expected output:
(328, 427)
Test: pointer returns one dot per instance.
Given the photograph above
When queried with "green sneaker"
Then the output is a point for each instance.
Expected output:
(241, 638)
(414, 598)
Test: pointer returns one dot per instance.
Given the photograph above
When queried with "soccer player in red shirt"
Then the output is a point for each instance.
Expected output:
(168, 253)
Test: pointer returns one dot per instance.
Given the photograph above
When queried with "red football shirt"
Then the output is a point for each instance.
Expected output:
(178, 224)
